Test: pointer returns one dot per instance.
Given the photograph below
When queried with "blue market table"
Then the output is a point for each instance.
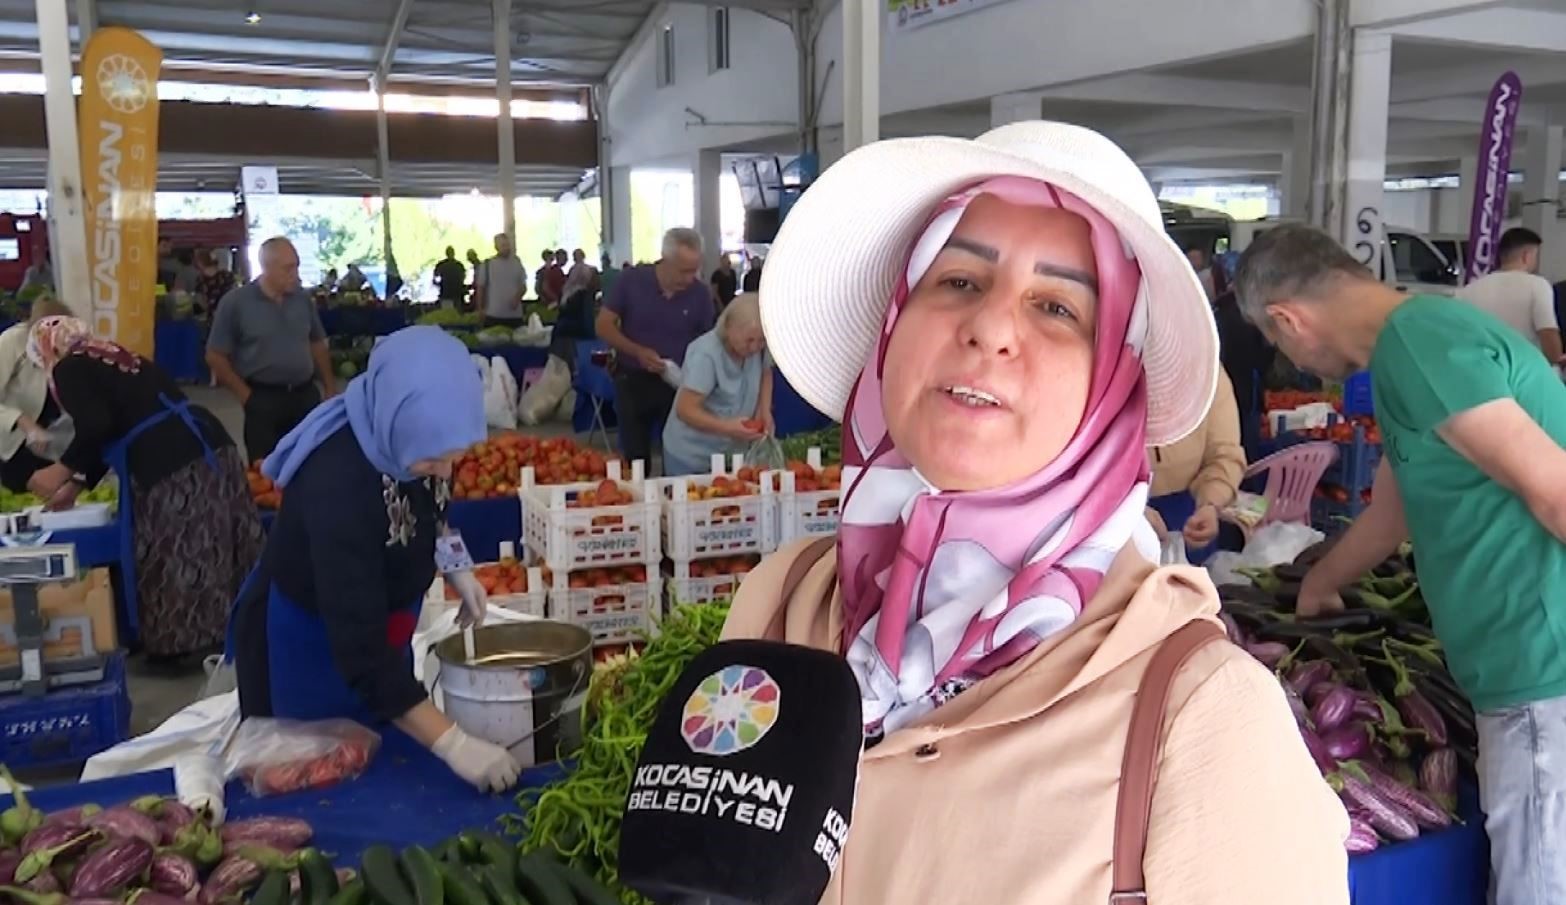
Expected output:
(405, 797)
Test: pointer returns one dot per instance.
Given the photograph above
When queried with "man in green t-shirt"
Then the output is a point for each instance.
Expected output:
(1474, 426)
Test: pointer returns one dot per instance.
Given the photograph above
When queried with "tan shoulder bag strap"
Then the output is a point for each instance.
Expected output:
(797, 570)
(1134, 808)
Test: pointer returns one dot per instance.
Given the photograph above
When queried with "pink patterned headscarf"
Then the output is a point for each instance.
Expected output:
(941, 589)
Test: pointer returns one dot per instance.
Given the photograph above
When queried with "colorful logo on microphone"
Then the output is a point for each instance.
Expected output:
(730, 711)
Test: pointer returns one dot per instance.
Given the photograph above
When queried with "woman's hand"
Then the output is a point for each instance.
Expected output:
(1202, 526)
(475, 602)
(489, 767)
(768, 425)
(742, 429)
(65, 497)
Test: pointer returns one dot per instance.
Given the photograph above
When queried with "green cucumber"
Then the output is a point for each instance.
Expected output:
(351, 893)
(273, 890)
(541, 883)
(383, 879)
(460, 886)
(449, 852)
(419, 866)
(492, 849)
(587, 890)
(500, 884)
(317, 879)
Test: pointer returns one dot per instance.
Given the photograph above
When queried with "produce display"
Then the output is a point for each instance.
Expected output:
(1379, 712)
(107, 491)
(449, 317)
(578, 817)
(602, 577)
(266, 494)
(474, 867)
(809, 480)
(490, 469)
(156, 851)
(828, 439)
(607, 493)
(723, 565)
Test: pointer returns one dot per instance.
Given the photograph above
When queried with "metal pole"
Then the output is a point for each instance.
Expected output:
(507, 143)
(861, 73)
(67, 216)
(383, 165)
(608, 229)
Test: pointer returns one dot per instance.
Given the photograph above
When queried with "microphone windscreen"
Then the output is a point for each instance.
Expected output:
(745, 789)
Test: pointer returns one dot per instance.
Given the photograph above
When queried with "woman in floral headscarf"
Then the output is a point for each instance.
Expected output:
(186, 516)
(1003, 327)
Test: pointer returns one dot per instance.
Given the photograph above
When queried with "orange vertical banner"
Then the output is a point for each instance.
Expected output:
(118, 116)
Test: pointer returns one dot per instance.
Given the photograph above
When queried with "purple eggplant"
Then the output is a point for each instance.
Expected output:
(286, 833)
(1270, 653)
(106, 870)
(146, 896)
(1438, 777)
(1367, 706)
(44, 884)
(1304, 675)
(127, 823)
(43, 845)
(231, 879)
(9, 859)
(1385, 815)
(1232, 628)
(1296, 706)
(1362, 837)
(104, 900)
(1333, 708)
(1419, 713)
(1318, 691)
(1318, 751)
(77, 815)
(173, 874)
(1415, 803)
(1347, 741)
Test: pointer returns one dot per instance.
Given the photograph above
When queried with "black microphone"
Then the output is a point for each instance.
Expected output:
(745, 788)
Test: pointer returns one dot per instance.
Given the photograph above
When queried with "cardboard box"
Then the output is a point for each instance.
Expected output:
(91, 596)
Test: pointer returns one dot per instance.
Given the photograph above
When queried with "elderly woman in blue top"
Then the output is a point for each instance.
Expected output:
(323, 626)
(725, 397)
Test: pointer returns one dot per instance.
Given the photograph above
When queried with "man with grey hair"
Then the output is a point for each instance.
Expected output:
(268, 348)
(651, 315)
(1474, 422)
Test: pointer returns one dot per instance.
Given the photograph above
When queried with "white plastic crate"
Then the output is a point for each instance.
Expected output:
(568, 539)
(612, 613)
(684, 588)
(811, 513)
(532, 602)
(726, 526)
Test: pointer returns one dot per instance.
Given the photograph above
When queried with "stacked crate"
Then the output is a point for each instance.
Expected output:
(598, 546)
(809, 500)
(715, 527)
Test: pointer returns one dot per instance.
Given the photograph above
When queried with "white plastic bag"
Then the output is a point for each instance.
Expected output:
(1277, 543)
(543, 398)
(1172, 552)
(482, 364)
(567, 406)
(204, 727)
(500, 396)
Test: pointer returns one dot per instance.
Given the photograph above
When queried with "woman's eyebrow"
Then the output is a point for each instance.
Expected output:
(1042, 268)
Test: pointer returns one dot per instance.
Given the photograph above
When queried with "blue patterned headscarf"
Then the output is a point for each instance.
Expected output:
(420, 398)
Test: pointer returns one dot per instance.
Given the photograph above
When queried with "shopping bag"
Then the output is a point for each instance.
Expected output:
(766, 454)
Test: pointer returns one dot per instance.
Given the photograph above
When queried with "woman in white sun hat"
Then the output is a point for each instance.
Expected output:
(1003, 327)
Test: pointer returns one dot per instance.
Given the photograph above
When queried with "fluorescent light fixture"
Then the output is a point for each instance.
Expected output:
(252, 18)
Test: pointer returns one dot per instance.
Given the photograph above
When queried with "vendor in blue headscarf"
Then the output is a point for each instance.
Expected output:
(323, 626)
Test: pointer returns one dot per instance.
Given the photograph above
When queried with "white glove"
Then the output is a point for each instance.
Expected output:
(486, 765)
(475, 602)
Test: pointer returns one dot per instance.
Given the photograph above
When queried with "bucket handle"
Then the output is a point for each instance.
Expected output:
(576, 687)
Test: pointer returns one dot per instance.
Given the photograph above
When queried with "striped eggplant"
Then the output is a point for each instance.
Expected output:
(1367, 706)
(1385, 815)
(1306, 674)
(42, 846)
(1362, 837)
(1318, 691)
(230, 880)
(1333, 709)
(127, 823)
(1232, 628)
(1419, 713)
(173, 874)
(285, 833)
(9, 859)
(1438, 777)
(1415, 803)
(1318, 751)
(106, 870)
(1270, 653)
(76, 815)
(1296, 706)
(1346, 742)
(145, 896)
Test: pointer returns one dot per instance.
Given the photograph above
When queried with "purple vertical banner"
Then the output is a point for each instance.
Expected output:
(1495, 161)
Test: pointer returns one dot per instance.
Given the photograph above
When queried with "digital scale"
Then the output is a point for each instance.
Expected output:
(27, 561)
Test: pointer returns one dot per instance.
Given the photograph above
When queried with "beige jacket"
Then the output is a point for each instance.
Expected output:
(1006, 794)
(1209, 461)
(23, 388)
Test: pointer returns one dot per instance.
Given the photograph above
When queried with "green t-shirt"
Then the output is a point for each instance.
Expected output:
(1494, 578)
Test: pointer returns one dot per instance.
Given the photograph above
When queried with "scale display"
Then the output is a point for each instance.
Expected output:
(46, 564)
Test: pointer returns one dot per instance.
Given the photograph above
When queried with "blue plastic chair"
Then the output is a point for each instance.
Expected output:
(593, 383)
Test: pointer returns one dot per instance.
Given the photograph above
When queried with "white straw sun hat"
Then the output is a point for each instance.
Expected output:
(835, 263)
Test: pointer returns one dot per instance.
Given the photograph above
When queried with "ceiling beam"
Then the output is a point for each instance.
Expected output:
(1154, 88)
(1440, 84)
(383, 66)
(1371, 13)
(1514, 30)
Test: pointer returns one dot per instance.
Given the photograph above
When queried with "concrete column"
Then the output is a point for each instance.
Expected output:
(1294, 178)
(1361, 226)
(1014, 108)
(383, 171)
(1467, 179)
(617, 214)
(861, 72)
(507, 170)
(706, 167)
(67, 216)
(1542, 198)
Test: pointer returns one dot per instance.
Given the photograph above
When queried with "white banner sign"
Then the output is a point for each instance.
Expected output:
(258, 180)
(908, 14)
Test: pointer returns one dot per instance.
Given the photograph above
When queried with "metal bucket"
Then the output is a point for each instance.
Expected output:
(523, 689)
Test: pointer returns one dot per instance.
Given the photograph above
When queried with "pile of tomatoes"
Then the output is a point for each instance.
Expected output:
(723, 565)
(491, 469)
(607, 493)
(809, 480)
